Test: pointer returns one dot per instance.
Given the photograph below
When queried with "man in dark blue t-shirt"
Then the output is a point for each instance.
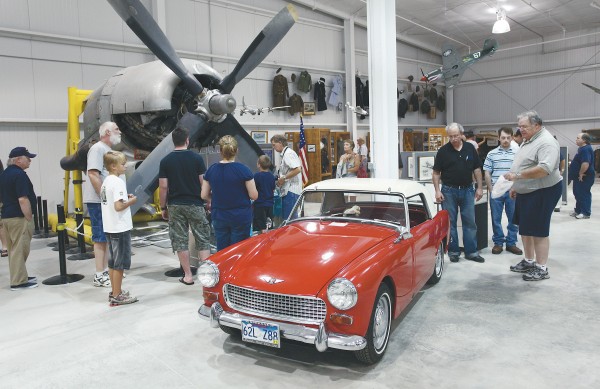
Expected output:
(582, 173)
(180, 182)
(265, 184)
(18, 207)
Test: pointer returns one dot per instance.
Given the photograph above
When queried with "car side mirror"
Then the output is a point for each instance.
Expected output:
(404, 233)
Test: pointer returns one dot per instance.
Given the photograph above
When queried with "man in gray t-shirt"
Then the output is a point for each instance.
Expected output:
(110, 135)
(537, 187)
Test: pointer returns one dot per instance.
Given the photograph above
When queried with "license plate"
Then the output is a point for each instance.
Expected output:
(266, 334)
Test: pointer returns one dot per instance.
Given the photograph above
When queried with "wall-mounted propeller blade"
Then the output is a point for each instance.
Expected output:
(262, 45)
(143, 25)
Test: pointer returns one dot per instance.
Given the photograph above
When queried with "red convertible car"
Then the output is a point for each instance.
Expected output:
(347, 261)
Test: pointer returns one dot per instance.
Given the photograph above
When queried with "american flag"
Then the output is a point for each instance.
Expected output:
(302, 149)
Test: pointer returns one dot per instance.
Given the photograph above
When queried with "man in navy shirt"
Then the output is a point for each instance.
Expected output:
(455, 164)
(582, 173)
(18, 207)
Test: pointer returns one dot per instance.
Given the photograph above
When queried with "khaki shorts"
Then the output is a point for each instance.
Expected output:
(182, 219)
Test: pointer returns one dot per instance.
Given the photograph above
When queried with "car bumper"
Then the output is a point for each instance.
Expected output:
(317, 336)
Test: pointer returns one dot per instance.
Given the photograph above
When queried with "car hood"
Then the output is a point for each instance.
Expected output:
(302, 257)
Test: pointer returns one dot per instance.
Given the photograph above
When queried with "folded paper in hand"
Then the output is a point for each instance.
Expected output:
(501, 187)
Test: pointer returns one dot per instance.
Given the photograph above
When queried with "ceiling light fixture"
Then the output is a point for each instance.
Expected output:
(501, 26)
(595, 5)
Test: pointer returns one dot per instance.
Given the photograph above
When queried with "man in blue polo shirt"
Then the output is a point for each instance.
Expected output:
(455, 164)
(497, 163)
(18, 207)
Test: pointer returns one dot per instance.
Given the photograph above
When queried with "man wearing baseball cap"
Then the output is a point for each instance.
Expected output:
(18, 207)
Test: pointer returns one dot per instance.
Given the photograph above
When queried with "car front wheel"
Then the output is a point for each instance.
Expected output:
(378, 332)
(438, 268)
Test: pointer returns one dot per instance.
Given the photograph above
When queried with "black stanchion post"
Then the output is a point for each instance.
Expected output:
(63, 278)
(39, 214)
(80, 238)
(36, 225)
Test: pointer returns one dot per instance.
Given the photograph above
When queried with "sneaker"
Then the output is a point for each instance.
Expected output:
(27, 285)
(582, 216)
(522, 267)
(557, 209)
(573, 214)
(514, 249)
(453, 258)
(101, 280)
(122, 299)
(123, 291)
(477, 258)
(536, 274)
(32, 279)
(497, 249)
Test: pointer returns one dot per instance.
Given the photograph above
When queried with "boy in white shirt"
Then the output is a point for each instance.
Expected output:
(116, 218)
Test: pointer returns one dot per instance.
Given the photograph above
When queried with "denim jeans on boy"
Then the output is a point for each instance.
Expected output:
(465, 199)
(287, 203)
(507, 204)
(228, 233)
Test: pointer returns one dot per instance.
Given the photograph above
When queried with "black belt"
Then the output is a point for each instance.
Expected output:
(459, 186)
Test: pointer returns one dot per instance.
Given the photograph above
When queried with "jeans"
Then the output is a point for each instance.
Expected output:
(287, 203)
(464, 199)
(496, 206)
(228, 233)
(583, 195)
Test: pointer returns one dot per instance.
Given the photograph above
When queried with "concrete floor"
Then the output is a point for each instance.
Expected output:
(480, 327)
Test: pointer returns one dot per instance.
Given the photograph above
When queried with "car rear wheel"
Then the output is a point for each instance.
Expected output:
(378, 332)
(438, 268)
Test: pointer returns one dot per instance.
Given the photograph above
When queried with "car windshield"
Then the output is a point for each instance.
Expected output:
(360, 206)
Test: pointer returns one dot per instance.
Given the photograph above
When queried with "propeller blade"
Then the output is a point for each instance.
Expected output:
(144, 181)
(248, 150)
(145, 27)
(262, 45)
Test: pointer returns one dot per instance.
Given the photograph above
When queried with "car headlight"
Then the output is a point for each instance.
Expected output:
(342, 294)
(208, 274)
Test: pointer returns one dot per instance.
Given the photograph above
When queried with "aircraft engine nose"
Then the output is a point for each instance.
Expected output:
(222, 104)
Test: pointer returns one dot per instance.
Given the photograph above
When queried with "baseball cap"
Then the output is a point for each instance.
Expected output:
(20, 152)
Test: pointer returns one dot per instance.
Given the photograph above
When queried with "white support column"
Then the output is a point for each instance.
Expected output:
(349, 56)
(383, 112)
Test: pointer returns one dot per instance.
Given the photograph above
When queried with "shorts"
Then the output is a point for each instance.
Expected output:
(182, 219)
(533, 211)
(119, 244)
(95, 212)
(259, 222)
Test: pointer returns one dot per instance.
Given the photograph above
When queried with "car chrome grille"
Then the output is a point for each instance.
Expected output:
(296, 309)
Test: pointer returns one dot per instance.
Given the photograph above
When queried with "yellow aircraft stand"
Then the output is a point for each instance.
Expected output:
(78, 227)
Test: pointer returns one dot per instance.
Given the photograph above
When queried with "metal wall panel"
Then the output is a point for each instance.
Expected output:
(14, 14)
(55, 16)
(16, 84)
(51, 80)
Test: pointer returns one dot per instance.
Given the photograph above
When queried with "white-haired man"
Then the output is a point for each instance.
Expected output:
(110, 135)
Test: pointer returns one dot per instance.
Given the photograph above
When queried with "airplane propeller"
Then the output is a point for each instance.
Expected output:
(214, 106)
(143, 25)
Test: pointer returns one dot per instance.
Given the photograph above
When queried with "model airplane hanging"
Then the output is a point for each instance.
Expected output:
(597, 90)
(148, 101)
(257, 111)
(454, 66)
(357, 110)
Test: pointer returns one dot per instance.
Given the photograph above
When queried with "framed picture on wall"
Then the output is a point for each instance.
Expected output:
(426, 168)
(309, 108)
(411, 167)
(259, 137)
